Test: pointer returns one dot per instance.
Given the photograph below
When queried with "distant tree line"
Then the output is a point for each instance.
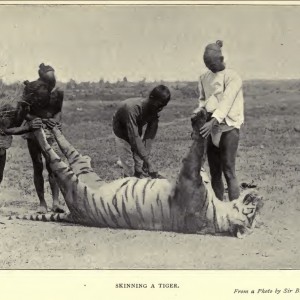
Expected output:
(122, 89)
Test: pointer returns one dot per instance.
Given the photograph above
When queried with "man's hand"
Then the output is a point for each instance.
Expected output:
(206, 129)
(147, 166)
(59, 125)
(50, 123)
(35, 124)
(156, 175)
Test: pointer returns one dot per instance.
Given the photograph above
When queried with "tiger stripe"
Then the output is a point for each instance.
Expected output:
(87, 207)
(126, 193)
(152, 184)
(144, 190)
(139, 211)
(103, 205)
(115, 204)
(125, 215)
(99, 213)
(112, 216)
(133, 186)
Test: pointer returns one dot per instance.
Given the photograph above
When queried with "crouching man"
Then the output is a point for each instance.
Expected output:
(133, 148)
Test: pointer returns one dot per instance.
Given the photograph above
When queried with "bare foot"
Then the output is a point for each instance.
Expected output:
(57, 208)
(42, 209)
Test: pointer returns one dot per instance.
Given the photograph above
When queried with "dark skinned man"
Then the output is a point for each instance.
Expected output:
(222, 96)
(132, 146)
(41, 99)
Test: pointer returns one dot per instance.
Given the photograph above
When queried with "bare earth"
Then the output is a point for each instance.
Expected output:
(268, 155)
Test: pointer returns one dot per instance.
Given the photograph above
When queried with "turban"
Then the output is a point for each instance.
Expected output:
(44, 69)
(212, 51)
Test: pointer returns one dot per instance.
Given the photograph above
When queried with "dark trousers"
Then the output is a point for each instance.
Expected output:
(222, 161)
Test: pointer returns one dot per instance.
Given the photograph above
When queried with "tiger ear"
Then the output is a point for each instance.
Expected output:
(252, 198)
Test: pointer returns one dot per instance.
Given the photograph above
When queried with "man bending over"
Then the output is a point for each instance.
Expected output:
(133, 147)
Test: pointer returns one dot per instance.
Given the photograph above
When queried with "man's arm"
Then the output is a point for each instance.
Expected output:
(150, 134)
(134, 138)
(233, 85)
(35, 124)
(17, 130)
(58, 117)
(30, 117)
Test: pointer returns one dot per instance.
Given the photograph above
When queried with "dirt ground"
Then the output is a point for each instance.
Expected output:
(268, 155)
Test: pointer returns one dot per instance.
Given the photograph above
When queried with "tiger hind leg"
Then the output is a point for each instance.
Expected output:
(78, 195)
(80, 164)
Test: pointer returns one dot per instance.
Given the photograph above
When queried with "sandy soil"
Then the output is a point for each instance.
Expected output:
(34, 245)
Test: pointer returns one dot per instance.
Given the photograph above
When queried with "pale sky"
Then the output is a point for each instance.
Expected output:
(87, 42)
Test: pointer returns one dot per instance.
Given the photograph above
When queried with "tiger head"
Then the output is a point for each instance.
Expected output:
(243, 214)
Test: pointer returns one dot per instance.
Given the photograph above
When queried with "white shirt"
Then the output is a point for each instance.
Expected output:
(221, 94)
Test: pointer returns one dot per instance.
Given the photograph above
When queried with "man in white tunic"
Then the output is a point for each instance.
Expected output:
(222, 96)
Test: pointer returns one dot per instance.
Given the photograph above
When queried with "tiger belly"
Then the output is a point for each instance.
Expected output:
(132, 203)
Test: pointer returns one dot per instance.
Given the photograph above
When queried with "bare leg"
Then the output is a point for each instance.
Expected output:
(59, 168)
(2, 163)
(126, 156)
(37, 161)
(76, 193)
(190, 191)
(228, 146)
(56, 207)
(215, 167)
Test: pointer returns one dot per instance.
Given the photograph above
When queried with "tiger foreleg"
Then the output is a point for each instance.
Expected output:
(190, 192)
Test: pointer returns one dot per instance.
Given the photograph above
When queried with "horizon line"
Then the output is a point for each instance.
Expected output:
(149, 81)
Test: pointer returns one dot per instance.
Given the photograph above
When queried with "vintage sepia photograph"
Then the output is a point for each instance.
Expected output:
(149, 136)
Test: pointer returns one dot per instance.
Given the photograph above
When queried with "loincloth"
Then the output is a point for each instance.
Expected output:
(5, 141)
(217, 131)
